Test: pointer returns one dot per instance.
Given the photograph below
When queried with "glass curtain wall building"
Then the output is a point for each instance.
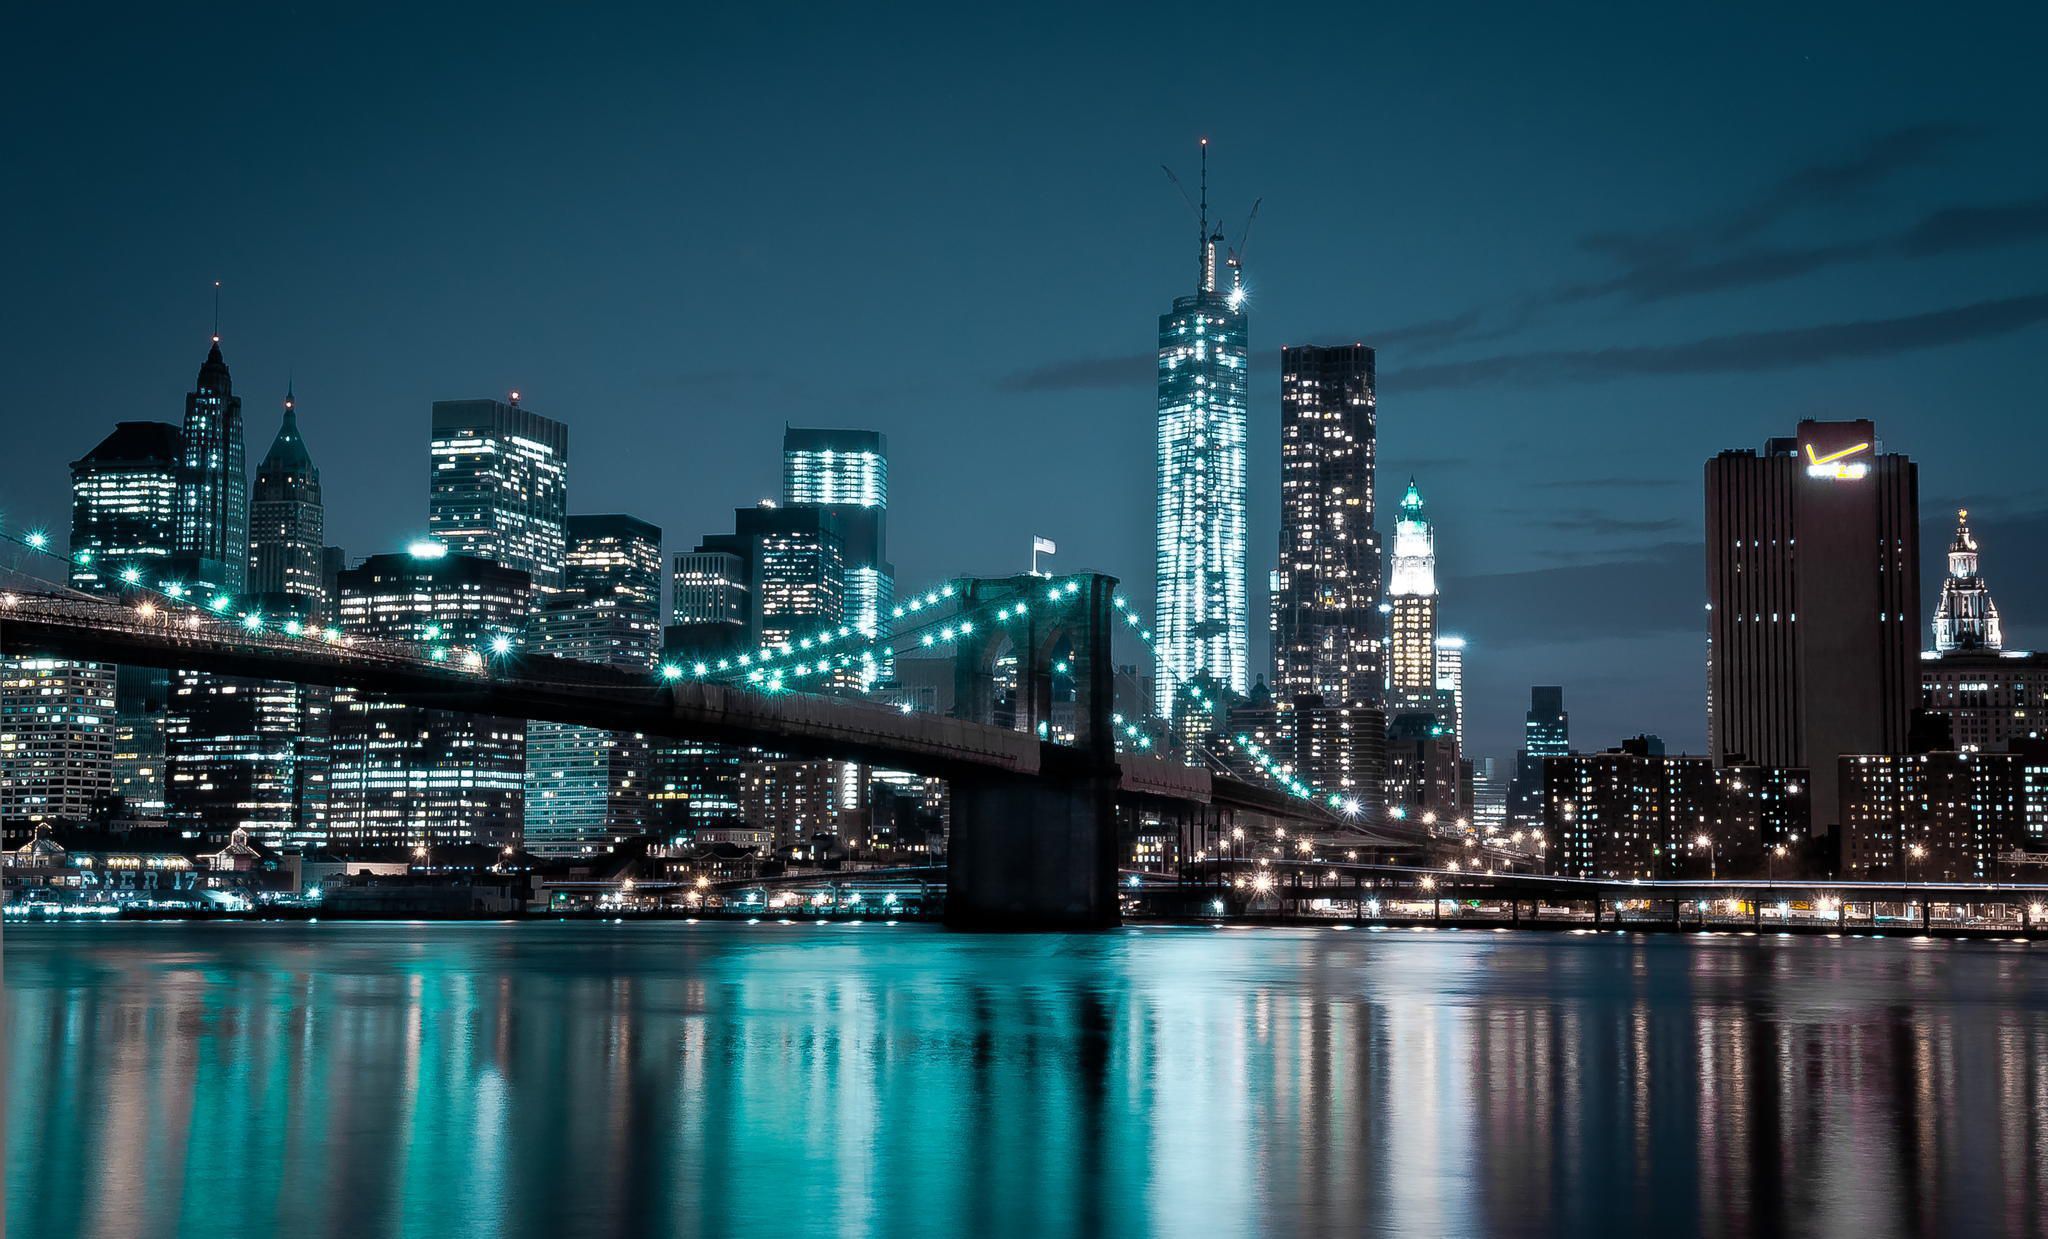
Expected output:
(1201, 615)
(500, 486)
(287, 521)
(846, 472)
(213, 486)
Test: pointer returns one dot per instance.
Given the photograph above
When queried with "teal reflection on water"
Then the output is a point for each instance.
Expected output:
(586, 1078)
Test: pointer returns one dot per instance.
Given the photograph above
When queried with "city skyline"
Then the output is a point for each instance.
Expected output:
(1528, 516)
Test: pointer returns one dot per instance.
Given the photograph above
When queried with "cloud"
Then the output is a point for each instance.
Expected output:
(1975, 227)
(1827, 183)
(1666, 584)
(1087, 373)
(1593, 521)
(1611, 483)
(1142, 369)
(1741, 352)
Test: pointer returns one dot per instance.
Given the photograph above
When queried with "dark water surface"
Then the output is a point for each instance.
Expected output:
(595, 1079)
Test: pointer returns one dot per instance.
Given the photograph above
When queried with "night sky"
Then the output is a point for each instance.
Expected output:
(1591, 247)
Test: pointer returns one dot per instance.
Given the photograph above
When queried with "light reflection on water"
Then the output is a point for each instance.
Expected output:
(569, 1079)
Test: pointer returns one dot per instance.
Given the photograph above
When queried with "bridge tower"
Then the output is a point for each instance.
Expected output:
(1039, 852)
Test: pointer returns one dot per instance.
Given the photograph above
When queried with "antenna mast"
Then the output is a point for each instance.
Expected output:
(216, 311)
(1205, 254)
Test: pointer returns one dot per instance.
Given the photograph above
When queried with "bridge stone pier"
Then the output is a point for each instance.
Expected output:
(1039, 852)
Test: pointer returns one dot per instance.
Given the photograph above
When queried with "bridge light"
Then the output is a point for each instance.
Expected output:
(472, 659)
(1053, 594)
(433, 632)
(966, 627)
(699, 669)
(292, 627)
(439, 653)
(131, 575)
(932, 599)
(83, 557)
(37, 539)
(173, 589)
(927, 638)
(146, 609)
(253, 621)
(501, 644)
(332, 634)
(670, 671)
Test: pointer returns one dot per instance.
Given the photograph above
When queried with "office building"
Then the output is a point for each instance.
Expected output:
(248, 755)
(588, 789)
(124, 506)
(846, 472)
(1326, 589)
(500, 486)
(56, 742)
(1412, 612)
(213, 487)
(1200, 629)
(287, 521)
(1813, 594)
(407, 775)
(1423, 777)
(1988, 698)
(1450, 683)
(617, 557)
(1546, 732)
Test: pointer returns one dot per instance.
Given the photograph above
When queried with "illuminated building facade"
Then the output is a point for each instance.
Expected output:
(1965, 618)
(247, 755)
(405, 775)
(1934, 817)
(587, 789)
(500, 486)
(1412, 618)
(846, 472)
(1546, 732)
(1989, 697)
(1329, 674)
(287, 522)
(1450, 683)
(56, 741)
(1813, 594)
(213, 486)
(1326, 589)
(1201, 617)
(1636, 812)
(617, 559)
(124, 505)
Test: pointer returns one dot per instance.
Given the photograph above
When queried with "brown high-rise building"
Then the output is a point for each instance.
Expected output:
(1813, 588)
(1329, 673)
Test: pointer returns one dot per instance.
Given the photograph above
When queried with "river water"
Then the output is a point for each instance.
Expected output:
(645, 1079)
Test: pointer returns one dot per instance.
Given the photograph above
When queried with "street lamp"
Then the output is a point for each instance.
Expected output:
(1703, 843)
(1914, 852)
(1777, 853)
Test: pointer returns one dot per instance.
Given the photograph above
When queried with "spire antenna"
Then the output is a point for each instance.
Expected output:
(1203, 280)
(216, 311)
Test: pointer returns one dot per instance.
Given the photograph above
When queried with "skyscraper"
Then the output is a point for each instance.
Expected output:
(56, 741)
(616, 559)
(1326, 589)
(1813, 588)
(213, 488)
(1966, 618)
(244, 754)
(846, 472)
(287, 523)
(1411, 596)
(499, 486)
(402, 774)
(1546, 732)
(1201, 625)
(124, 505)
(1450, 684)
(587, 788)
